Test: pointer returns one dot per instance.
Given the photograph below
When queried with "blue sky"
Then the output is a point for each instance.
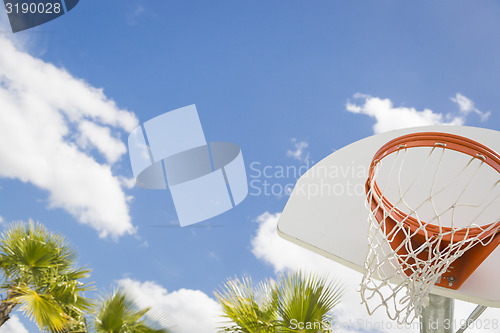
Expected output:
(275, 77)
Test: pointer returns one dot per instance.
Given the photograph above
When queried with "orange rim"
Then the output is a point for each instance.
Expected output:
(440, 140)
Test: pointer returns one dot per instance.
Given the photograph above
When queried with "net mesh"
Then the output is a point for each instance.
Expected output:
(437, 195)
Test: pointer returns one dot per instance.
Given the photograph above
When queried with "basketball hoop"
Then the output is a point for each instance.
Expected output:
(428, 227)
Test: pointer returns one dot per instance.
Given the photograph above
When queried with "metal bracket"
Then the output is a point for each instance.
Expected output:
(473, 316)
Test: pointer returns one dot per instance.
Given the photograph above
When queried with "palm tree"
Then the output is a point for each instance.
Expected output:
(117, 313)
(250, 309)
(307, 300)
(298, 303)
(39, 276)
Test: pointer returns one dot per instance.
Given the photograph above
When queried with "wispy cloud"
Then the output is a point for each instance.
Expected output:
(299, 150)
(467, 106)
(134, 16)
(100, 137)
(57, 127)
(388, 117)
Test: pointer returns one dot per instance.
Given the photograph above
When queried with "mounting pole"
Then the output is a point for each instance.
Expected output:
(437, 317)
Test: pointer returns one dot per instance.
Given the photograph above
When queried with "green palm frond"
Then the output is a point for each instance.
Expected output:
(249, 308)
(29, 250)
(271, 307)
(41, 308)
(118, 314)
(307, 299)
(68, 293)
(39, 275)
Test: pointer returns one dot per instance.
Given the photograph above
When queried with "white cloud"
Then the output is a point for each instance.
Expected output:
(93, 135)
(283, 255)
(51, 121)
(189, 310)
(2, 219)
(299, 152)
(466, 106)
(13, 325)
(389, 118)
(127, 182)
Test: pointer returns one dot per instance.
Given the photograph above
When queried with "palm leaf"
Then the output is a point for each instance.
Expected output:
(28, 251)
(41, 308)
(307, 299)
(39, 275)
(248, 308)
(118, 314)
(269, 307)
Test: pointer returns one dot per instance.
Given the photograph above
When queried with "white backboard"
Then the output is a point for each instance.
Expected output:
(326, 211)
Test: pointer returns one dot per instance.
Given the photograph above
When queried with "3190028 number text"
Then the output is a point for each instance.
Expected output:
(33, 8)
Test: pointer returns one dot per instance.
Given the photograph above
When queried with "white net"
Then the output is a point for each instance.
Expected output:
(427, 207)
